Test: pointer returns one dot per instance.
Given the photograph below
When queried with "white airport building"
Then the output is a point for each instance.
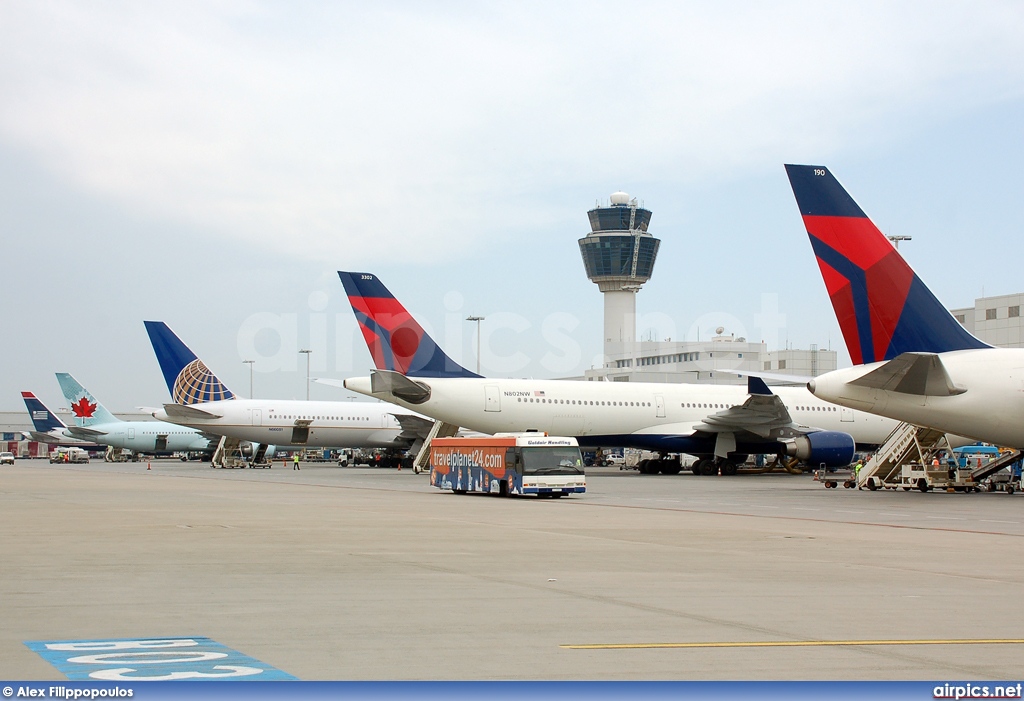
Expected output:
(994, 320)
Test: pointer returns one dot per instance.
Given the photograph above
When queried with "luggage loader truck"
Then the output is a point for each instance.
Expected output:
(508, 464)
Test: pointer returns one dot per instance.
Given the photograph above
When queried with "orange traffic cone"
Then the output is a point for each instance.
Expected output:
(149, 466)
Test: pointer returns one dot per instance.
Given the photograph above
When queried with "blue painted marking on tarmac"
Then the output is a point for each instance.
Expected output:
(153, 659)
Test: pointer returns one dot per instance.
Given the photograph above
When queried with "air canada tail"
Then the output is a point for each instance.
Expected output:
(188, 379)
(87, 410)
(43, 420)
(882, 306)
(395, 340)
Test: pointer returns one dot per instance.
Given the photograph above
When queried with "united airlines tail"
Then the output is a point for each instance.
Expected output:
(395, 340)
(882, 306)
(84, 406)
(188, 379)
(43, 420)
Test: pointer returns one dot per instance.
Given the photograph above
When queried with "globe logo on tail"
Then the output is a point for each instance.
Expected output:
(196, 384)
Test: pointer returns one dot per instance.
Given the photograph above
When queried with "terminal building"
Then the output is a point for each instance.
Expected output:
(619, 255)
(994, 320)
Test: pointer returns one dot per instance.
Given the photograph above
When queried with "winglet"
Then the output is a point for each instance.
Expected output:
(188, 379)
(755, 385)
(396, 341)
(883, 308)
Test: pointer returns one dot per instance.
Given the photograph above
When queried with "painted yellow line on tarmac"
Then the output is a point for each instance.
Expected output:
(797, 643)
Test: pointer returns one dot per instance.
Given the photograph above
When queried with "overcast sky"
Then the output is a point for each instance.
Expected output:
(212, 164)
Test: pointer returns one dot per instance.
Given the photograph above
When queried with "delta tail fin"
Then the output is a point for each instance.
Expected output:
(87, 410)
(188, 379)
(395, 340)
(43, 420)
(882, 306)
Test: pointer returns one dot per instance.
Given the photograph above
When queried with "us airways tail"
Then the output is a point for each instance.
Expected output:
(84, 406)
(43, 420)
(882, 306)
(395, 340)
(188, 379)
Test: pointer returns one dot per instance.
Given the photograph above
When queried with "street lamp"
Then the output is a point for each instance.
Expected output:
(250, 363)
(307, 351)
(896, 240)
(477, 319)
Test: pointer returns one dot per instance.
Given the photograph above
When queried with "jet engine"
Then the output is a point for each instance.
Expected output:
(833, 448)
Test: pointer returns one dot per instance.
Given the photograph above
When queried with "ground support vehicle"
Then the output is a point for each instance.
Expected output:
(69, 455)
(924, 478)
(508, 464)
(830, 479)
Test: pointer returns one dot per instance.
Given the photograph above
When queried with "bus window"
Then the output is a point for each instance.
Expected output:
(557, 460)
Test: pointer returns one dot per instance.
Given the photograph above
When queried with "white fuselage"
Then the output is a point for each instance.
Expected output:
(624, 413)
(990, 409)
(148, 437)
(330, 424)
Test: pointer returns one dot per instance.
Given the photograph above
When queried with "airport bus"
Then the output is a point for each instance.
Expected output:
(508, 464)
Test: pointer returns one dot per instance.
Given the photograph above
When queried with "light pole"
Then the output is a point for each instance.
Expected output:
(250, 363)
(896, 240)
(307, 351)
(477, 319)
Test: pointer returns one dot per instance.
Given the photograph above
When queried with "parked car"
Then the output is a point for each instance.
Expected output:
(6, 458)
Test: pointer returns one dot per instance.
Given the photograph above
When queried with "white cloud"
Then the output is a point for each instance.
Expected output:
(360, 132)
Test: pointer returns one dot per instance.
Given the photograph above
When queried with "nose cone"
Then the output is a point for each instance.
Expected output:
(161, 415)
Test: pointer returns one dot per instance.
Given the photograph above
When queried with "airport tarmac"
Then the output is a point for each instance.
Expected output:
(356, 573)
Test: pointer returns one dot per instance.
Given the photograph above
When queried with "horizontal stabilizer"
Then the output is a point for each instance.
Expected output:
(182, 411)
(912, 373)
(82, 432)
(398, 385)
(780, 377)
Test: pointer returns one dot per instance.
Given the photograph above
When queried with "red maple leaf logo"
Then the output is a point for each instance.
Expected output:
(83, 408)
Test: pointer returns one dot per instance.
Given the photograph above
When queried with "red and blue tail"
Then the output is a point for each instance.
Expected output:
(883, 308)
(395, 340)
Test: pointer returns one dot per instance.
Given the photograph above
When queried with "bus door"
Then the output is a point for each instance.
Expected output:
(492, 399)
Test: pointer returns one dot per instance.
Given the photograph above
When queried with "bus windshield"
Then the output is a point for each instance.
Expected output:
(552, 460)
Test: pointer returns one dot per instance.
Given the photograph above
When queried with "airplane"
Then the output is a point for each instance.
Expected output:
(203, 402)
(913, 361)
(720, 424)
(48, 427)
(94, 423)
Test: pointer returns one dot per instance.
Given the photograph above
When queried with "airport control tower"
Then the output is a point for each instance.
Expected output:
(619, 255)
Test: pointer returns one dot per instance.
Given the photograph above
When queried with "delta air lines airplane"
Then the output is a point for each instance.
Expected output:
(721, 424)
(913, 361)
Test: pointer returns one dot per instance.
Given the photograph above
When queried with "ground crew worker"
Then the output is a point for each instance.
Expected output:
(856, 470)
(295, 462)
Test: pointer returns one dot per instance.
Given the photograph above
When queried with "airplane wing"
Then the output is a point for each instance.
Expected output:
(413, 426)
(912, 373)
(760, 414)
(182, 411)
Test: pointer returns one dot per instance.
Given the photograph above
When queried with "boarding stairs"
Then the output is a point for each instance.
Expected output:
(440, 429)
(906, 444)
(227, 454)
